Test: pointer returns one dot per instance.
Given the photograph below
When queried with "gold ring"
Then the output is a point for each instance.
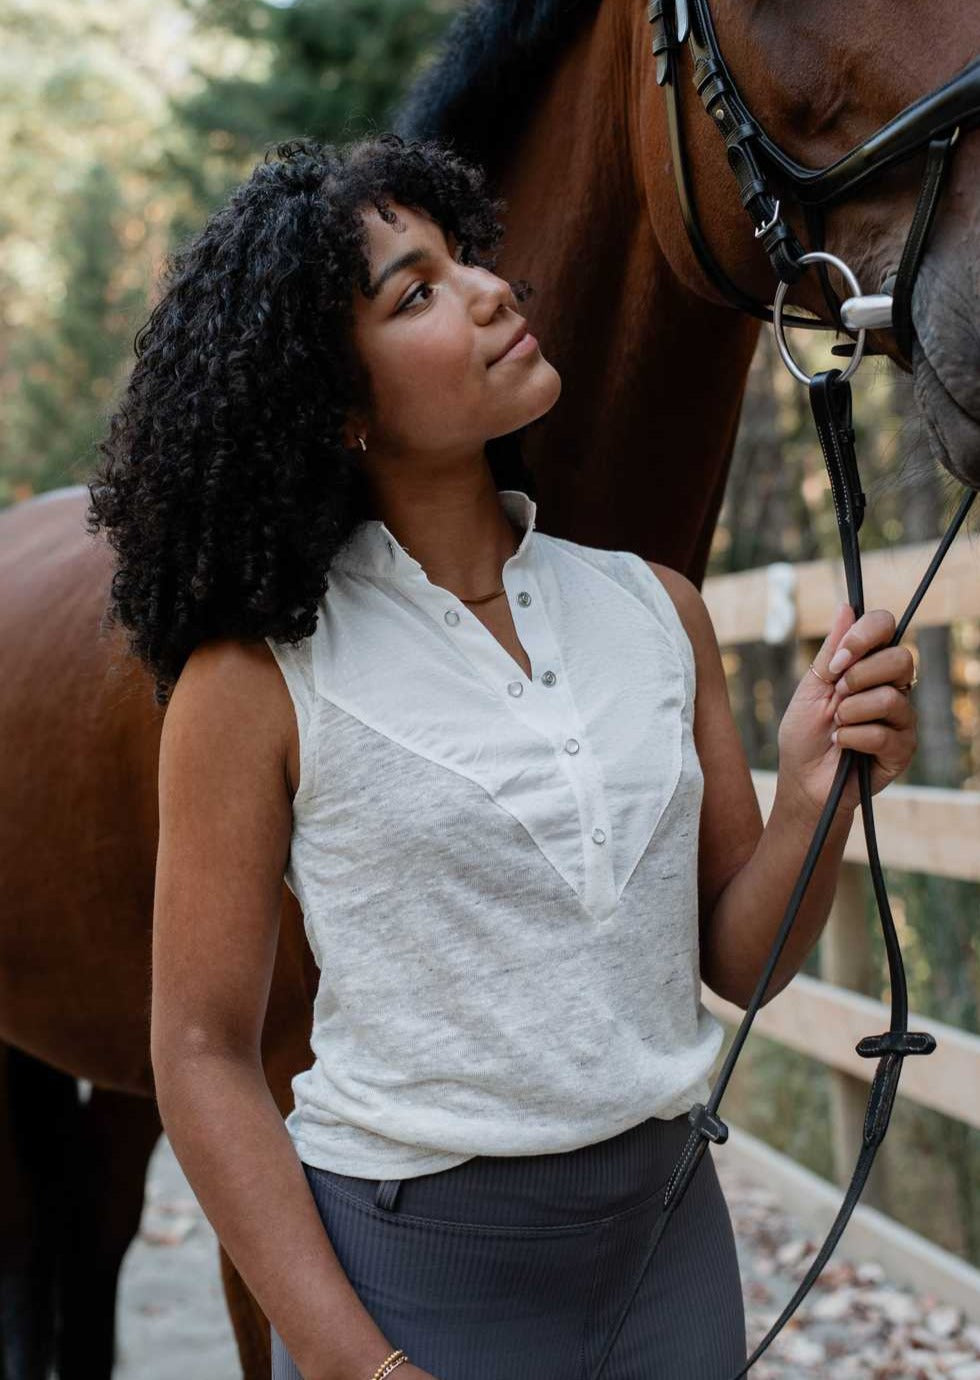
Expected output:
(820, 677)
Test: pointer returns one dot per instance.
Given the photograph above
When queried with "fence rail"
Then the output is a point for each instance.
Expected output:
(918, 828)
(782, 601)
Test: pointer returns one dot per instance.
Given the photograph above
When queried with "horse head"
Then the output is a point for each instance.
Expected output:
(828, 120)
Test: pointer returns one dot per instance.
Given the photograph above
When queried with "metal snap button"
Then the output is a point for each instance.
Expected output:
(515, 688)
(598, 835)
(523, 598)
(451, 617)
(548, 678)
(571, 745)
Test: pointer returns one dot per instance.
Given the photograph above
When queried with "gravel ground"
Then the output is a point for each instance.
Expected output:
(854, 1324)
(171, 1320)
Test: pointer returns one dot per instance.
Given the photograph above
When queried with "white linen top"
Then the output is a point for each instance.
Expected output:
(498, 874)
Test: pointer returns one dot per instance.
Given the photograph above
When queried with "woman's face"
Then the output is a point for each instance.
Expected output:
(427, 340)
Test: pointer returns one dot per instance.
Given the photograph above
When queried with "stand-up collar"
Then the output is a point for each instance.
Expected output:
(374, 550)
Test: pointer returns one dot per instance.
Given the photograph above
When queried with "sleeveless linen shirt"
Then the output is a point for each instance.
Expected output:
(498, 875)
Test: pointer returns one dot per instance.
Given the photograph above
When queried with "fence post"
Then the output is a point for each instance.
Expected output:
(845, 959)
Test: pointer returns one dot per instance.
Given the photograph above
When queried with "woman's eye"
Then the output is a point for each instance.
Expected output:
(412, 294)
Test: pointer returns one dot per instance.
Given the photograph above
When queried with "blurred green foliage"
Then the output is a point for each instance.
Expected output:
(333, 70)
(122, 127)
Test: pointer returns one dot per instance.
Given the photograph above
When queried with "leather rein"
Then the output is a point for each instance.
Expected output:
(758, 163)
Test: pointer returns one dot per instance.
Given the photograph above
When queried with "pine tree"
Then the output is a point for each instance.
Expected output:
(67, 363)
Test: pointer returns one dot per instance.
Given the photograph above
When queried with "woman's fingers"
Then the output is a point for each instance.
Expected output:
(871, 713)
(890, 665)
(867, 632)
(891, 748)
(882, 704)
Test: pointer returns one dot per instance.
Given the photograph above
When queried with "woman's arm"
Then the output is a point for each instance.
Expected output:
(225, 826)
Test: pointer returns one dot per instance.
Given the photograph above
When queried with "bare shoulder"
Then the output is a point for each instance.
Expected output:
(231, 697)
(223, 674)
(691, 608)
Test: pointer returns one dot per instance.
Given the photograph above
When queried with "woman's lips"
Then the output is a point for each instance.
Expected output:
(525, 346)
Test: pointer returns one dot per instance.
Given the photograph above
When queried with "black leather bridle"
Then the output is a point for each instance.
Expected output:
(761, 169)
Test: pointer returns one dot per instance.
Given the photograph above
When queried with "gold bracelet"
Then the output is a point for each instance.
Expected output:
(389, 1364)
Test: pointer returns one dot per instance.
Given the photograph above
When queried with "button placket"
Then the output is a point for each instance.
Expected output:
(575, 758)
(544, 702)
(536, 636)
(478, 645)
(548, 705)
(528, 627)
(559, 719)
(495, 665)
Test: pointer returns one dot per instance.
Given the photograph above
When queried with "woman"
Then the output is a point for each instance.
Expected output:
(475, 754)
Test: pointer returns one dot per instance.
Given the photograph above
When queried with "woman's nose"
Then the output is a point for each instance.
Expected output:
(499, 292)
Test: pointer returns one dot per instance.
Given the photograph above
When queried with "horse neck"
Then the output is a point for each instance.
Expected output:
(635, 454)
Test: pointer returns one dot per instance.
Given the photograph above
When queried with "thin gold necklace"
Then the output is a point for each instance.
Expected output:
(484, 598)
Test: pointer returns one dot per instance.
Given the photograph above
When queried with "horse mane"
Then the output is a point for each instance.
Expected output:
(488, 71)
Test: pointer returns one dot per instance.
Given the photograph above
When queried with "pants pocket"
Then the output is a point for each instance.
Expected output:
(390, 1199)
(467, 1300)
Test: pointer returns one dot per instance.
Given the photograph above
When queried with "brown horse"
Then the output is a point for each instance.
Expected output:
(561, 104)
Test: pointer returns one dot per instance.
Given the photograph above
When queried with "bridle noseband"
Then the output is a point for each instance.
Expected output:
(760, 166)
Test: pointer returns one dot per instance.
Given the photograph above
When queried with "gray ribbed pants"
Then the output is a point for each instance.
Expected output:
(517, 1267)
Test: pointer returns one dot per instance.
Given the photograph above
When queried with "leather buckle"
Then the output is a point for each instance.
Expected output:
(896, 1042)
(707, 1124)
(704, 1125)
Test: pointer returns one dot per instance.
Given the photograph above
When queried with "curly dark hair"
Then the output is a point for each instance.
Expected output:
(225, 487)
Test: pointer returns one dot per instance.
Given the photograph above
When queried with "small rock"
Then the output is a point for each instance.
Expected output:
(836, 1274)
(759, 1197)
(919, 1336)
(896, 1307)
(171, 1235)
(870, 1272)
(803, 1351)
(792, 1252)
(180, 1207)
(832, 1307)
(944, 1321)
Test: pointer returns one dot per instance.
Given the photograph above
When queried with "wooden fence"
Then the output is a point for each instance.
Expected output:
(921, 829)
